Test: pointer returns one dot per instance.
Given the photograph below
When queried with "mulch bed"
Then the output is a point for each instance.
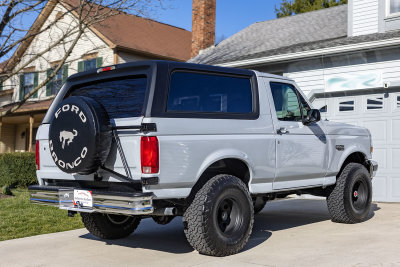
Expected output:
(4, 196)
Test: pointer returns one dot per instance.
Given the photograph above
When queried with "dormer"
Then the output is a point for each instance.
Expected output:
(373, 16)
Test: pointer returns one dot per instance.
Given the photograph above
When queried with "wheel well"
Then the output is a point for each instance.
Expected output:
(356, 157)
(235, 167)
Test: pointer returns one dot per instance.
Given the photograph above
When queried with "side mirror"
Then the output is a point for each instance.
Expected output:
(313, 115)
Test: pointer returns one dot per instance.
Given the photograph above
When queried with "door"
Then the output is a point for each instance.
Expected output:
(301, 150)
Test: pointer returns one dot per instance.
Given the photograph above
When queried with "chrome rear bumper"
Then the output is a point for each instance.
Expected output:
(125, 203)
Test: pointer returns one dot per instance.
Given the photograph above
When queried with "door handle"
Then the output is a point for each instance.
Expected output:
(282, 130)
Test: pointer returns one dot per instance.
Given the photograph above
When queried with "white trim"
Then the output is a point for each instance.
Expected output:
(388, 14)
(313, 53)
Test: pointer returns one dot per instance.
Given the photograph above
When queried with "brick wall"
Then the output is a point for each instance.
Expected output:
(203, 25)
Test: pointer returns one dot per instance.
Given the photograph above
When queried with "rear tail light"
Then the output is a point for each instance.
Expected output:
(149, 154)
(37, 156)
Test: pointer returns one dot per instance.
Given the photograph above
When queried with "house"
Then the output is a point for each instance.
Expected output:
(118, 39)
(346, 59)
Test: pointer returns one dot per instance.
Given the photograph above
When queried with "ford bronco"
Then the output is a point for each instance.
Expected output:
(158, 139)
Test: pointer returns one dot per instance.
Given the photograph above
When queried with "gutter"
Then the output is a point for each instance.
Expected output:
(313, 53)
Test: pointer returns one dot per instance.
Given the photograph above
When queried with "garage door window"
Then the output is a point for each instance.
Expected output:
(323, 109)
(375, 103)
(346, 105)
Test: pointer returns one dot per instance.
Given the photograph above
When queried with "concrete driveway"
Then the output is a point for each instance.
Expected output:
(294, 232)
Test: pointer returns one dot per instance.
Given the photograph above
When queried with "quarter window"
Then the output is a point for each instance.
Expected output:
(206, 93)
(346, 105)
(287, 105)
(398, 101)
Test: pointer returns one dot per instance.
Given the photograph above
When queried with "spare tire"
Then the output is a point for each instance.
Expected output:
(80, 135)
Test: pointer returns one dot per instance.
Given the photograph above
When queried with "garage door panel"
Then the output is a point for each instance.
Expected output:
(379, 185)
(396, 130)
(378, 130)
(379, 155)
(395, 159)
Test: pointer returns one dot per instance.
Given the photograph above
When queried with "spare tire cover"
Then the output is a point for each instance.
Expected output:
(80, 135)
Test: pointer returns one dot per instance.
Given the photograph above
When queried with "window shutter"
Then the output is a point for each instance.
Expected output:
(99, 62)
(80, 66)
(49, 84)
(21, 87)
(35, 83)
(65, 73)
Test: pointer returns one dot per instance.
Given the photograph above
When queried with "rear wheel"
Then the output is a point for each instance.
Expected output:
(350, 199)
(110, 226)
(220, 219)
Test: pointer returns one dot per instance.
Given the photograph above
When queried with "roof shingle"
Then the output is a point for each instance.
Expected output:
(273, 35)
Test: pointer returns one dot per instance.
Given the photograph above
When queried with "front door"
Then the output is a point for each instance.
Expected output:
(301, 150)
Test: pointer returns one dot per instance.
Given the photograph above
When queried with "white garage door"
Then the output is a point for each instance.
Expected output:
(379, 113)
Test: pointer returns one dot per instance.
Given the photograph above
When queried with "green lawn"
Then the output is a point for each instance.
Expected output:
(20, 218)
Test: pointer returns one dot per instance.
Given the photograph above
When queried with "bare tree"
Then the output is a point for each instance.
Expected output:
(56, 35)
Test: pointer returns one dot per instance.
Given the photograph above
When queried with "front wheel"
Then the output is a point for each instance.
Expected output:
(220, 219)
(110, 226)
(350, 200)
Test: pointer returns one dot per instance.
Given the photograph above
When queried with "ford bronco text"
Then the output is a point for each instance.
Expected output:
(158, 139)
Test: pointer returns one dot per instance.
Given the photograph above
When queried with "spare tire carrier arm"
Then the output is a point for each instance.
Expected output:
(145, 127)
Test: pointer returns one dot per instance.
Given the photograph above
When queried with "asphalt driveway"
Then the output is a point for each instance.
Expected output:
(294, 232)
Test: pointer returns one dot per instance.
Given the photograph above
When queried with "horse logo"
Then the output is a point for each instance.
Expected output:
(67, 136)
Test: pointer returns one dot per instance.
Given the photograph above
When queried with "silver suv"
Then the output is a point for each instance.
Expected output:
(162, 139)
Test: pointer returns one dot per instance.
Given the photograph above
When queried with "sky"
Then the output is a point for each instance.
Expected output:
(232, 15)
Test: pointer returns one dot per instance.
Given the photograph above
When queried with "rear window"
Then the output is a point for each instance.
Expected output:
(196, 92)
(121, 98)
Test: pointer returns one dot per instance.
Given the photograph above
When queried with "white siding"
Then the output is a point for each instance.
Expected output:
(124, 57)
(88, 43)
(363, 17)
(314, 77)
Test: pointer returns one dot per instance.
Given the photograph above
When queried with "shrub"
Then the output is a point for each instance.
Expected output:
(17, 169)
(5, 190)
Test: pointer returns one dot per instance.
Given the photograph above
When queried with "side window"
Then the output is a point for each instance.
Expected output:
(287, 105)
(207, 93)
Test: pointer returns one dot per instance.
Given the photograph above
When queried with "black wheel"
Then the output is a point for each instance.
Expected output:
(258, 204)
(163, 220)
(219, 220)
(110, 226)
(350, 199)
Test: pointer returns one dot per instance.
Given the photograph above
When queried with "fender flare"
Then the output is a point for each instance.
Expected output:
(224, 154)
(352, 149)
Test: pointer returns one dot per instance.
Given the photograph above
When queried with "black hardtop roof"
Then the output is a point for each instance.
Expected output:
(145, 64)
